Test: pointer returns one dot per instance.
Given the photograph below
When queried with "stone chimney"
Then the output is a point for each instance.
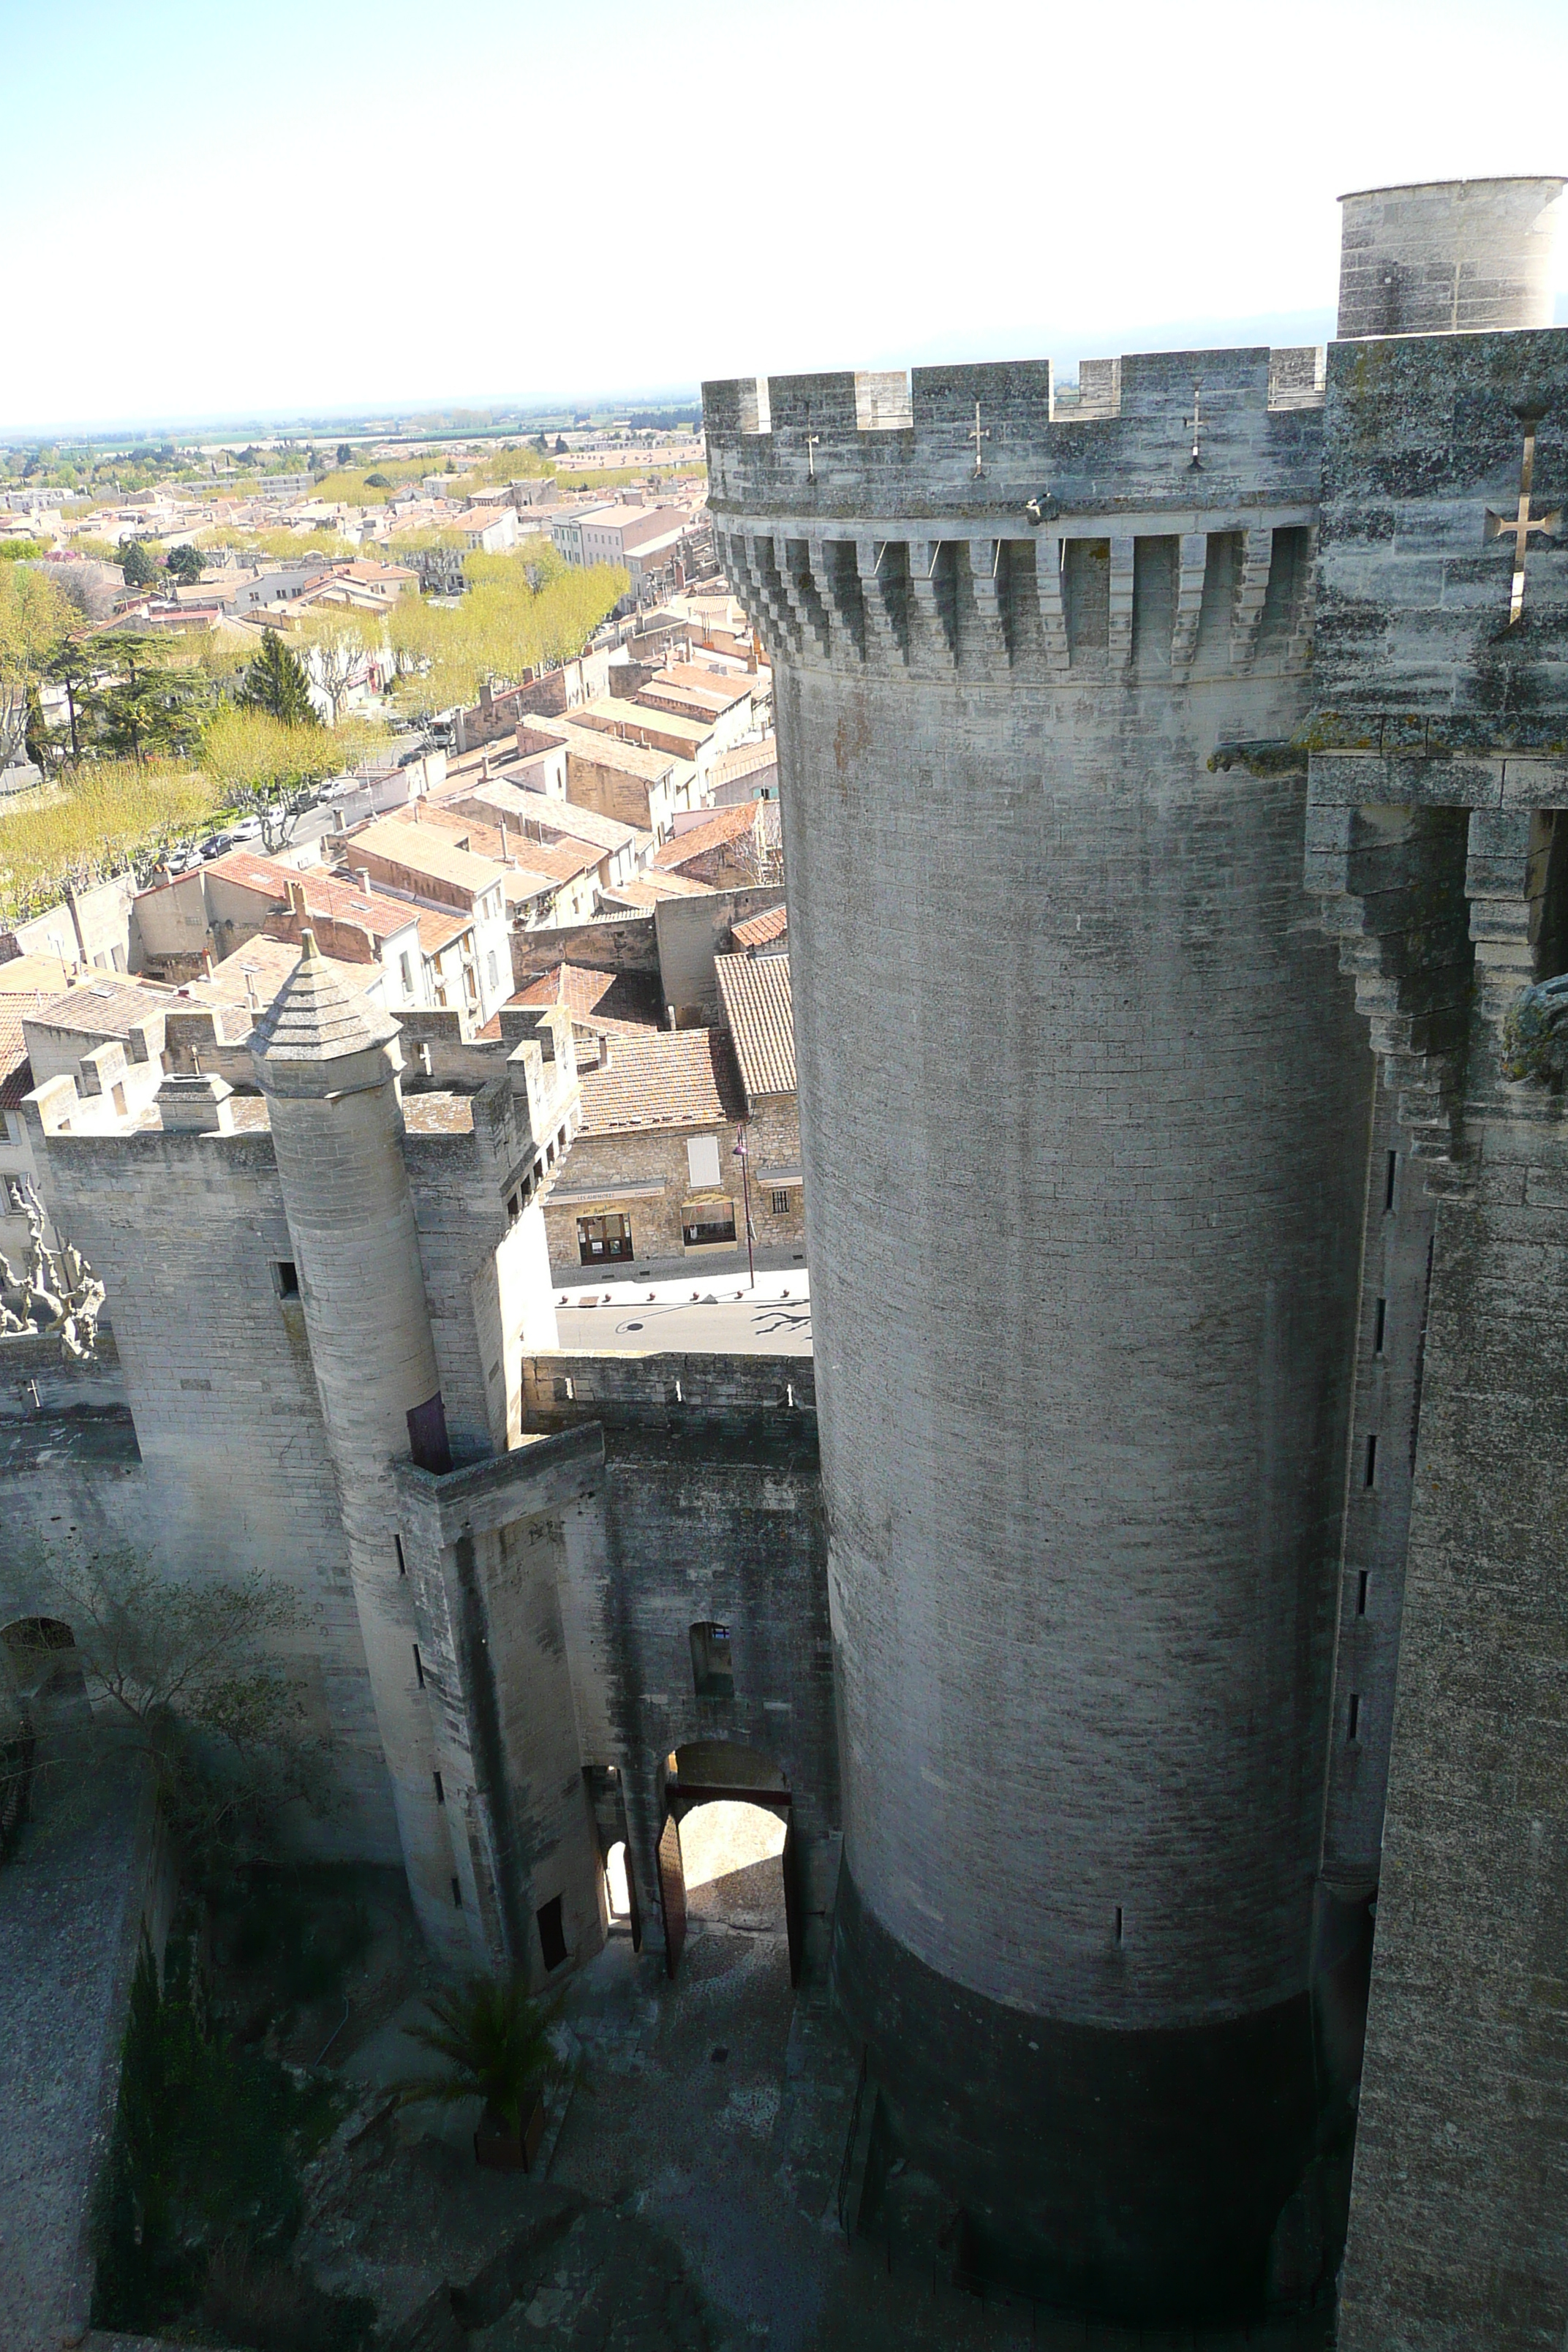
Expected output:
(194, 1104)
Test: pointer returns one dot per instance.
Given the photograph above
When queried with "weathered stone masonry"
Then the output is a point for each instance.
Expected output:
(1003, 616)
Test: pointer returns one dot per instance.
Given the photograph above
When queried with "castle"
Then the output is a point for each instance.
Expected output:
(1159, 1589)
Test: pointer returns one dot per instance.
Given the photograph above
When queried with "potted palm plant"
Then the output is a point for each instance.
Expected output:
(496, 2043)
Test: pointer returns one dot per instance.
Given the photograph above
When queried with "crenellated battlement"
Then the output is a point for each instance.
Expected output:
(1158, 430)
(1157, 516)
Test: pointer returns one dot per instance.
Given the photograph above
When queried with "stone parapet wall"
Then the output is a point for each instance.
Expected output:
(843, 445)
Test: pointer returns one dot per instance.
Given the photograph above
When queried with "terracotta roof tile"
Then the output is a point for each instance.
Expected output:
(746, 759)
(759, 1008)
(648, 890)
(100, 1008)
(425, 849)
(721, 825)
(16, 1070)
(684, 1078)
(759, 929)
(33, 976)
(599, 999)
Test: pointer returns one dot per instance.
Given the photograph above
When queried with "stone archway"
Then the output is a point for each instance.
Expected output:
(708, 1771)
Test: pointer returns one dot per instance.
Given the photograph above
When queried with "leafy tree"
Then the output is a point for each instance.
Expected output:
(378, 482)
(337, 647)
(345, 455)
(197, 1679)
(72, 667)
(143, 704)
(276, 682)
(40, 741)
(21, 550)
(270, 768)
(34, 619)
(524, 610)
(136, 562)
(559, 445)
(185, 564)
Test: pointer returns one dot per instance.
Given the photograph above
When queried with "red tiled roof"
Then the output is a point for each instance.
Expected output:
(556, 860)
(759, 1008)
(338, 897)
(721, 825)
(16, 1070)
(598, 1000)
(684, 1078)
(648, 890)
(104, 1006)
(424, 849)
(746, 759)
(759, 929)
(729, 685)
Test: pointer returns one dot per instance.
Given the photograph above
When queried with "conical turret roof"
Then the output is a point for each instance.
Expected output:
(316, 1017)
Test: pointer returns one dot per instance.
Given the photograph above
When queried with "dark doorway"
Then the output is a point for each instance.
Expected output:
(600, 1239)
(551, 1934)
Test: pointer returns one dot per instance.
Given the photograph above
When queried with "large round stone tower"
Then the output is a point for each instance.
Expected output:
(1085, 1110)
(1449, 256)
(328, 1064)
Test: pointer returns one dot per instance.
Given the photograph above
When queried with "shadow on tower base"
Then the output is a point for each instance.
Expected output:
(1160, 2176)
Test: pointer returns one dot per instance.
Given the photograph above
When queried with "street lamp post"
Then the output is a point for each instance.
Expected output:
(744, 1158)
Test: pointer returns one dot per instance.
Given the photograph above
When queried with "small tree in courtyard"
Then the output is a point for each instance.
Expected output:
(192, 1676)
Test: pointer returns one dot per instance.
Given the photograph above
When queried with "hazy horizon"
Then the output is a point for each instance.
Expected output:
(207, 222)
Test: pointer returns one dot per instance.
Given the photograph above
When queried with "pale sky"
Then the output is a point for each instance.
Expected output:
(208, 210)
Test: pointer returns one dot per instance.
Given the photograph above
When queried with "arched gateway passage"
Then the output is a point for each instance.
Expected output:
(712, 1772)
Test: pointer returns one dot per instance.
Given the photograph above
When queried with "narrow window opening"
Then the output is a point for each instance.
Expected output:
(1354, 1724)
(402, 1563)
(1119, 1923)
(551, 1934)
(1372, 1461)
(712, 1672)
(419, 1666)
(1389, 1182)
(286, 1277)
(1362, 1584)
(440, 1791)
(457, 1893)
(1380, 1328)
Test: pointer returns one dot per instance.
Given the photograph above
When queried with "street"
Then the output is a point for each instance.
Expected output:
(727, 1317)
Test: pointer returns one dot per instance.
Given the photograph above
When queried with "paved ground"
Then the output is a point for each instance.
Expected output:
(689, 2196)
(71, 1905)
(714, 1307)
